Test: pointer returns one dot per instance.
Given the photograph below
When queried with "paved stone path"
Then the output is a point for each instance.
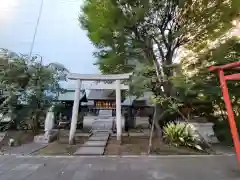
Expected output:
(95, 145)
(101, 128)
(119, 168)
(25, 149)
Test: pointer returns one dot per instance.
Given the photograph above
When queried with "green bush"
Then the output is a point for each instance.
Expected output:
(222, 130)
(168, 118)
(181, 134)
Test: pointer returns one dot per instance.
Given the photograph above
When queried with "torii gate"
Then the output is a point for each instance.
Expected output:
(223, 82)
(97, 77)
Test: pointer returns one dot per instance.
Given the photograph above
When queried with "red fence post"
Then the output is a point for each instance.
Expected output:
(230, 113)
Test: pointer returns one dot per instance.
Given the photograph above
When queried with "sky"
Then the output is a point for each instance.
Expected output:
(59, 36)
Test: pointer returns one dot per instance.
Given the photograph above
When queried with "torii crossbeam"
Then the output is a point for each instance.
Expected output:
(223, 82)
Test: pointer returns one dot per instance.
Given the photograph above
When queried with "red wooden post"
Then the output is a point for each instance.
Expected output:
(230, 113)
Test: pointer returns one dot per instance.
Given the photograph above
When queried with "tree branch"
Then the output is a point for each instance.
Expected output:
(159, 48)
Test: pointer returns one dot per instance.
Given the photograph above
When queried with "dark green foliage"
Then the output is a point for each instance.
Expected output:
(128, 33)
(222, 130)
(202, 85)
(205, 86)
(143, 36)
(124, 31)
(25, 81)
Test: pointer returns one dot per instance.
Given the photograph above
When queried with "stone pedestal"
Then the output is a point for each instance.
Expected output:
(44, 139)
(206, 131)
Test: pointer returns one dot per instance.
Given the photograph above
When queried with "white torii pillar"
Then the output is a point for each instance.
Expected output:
(75, 111)
(117, 86)
(118, 110)
(97, 77)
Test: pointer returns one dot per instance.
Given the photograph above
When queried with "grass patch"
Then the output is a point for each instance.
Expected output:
(139, 146)
(20, 138)
(62, 147)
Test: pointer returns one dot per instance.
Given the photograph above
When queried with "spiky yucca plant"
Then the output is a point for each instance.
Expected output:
(181, 134)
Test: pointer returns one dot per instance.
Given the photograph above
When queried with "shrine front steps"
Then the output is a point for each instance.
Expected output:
(95, 146)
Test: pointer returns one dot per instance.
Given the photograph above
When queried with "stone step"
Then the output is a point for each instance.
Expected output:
(105, 113)
(98, 138)
(102, 126)
(90, 151)
(95, 144)
(101, 132)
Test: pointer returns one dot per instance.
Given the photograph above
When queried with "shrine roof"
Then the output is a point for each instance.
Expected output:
(69, 96)
(134, 100)
(99, 94)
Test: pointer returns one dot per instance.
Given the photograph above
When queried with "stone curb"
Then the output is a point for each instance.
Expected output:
(123, 156)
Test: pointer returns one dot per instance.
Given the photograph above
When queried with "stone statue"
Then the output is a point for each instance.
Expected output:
(49, 121)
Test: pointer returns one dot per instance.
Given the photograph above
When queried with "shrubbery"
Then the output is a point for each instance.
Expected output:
(181, 134)
(222, 130)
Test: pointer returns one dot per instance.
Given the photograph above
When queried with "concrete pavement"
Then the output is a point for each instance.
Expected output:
(119, 168)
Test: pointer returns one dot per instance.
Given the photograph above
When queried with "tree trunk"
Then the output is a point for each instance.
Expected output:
(35, 122)
(157, 70)
(150, 138)
(155, 124)
(156, 116)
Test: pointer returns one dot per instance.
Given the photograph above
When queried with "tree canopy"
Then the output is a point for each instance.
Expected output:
(153, 31)
(26, 81)
(145, 37)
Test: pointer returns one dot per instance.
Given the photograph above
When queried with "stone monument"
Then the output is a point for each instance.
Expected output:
(50, 134)
(49, 121)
